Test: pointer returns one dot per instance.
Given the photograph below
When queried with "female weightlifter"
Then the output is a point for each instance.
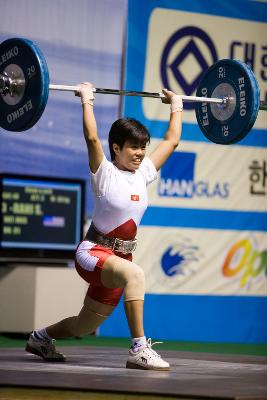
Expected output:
(104, 257)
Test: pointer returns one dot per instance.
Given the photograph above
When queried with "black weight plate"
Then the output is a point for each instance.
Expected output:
(230, 124)
(28, 57)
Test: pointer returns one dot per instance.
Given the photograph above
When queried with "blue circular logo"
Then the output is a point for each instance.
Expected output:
(173, 68)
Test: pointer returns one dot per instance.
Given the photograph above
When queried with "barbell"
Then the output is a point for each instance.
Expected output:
(227, 99)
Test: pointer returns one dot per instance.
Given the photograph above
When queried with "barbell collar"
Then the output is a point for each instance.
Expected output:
(5, 83)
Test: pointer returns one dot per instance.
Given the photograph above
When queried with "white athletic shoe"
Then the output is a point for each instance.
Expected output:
(44, 348)
(147, 358)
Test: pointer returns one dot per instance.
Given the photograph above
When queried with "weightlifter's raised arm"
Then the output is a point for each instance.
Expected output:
(172, 136)
(94, 146)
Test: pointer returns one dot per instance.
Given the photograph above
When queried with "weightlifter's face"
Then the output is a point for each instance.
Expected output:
(130, 156)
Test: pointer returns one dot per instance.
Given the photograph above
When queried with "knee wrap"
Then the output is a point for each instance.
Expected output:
(121, 273)
(89, 319)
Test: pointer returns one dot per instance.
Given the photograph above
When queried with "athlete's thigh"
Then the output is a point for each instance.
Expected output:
(89, 261)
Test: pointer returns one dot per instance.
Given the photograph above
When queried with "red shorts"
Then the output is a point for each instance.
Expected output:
(89, 261)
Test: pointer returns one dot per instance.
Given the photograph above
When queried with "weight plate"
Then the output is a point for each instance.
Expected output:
(31, 96)
(227, 124)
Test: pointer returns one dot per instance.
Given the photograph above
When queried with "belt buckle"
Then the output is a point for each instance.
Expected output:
(116, 245)
(124, 246)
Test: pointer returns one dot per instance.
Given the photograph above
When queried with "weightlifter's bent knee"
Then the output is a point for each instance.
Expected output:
(122, 273)
(135, 287)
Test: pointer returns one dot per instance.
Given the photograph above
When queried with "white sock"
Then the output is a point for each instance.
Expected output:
(41, 334)
(137, 343)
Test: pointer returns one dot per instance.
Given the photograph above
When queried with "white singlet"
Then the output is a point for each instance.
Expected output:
(120, 197)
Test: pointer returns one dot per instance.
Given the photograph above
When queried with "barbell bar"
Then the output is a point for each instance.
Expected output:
(4, 86)
(227, 98)
(120, 92)
(11, 86)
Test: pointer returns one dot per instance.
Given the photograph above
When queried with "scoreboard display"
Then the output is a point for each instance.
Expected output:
(42, 214)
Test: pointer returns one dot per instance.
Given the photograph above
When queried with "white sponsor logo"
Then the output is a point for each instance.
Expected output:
(9, 54)
(19, 112)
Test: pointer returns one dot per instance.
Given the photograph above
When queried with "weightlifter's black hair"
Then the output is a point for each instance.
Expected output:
(127, 129)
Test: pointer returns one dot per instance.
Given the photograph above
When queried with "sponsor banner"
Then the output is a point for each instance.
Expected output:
(194, 37)
(208, 177)
(214, 262)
